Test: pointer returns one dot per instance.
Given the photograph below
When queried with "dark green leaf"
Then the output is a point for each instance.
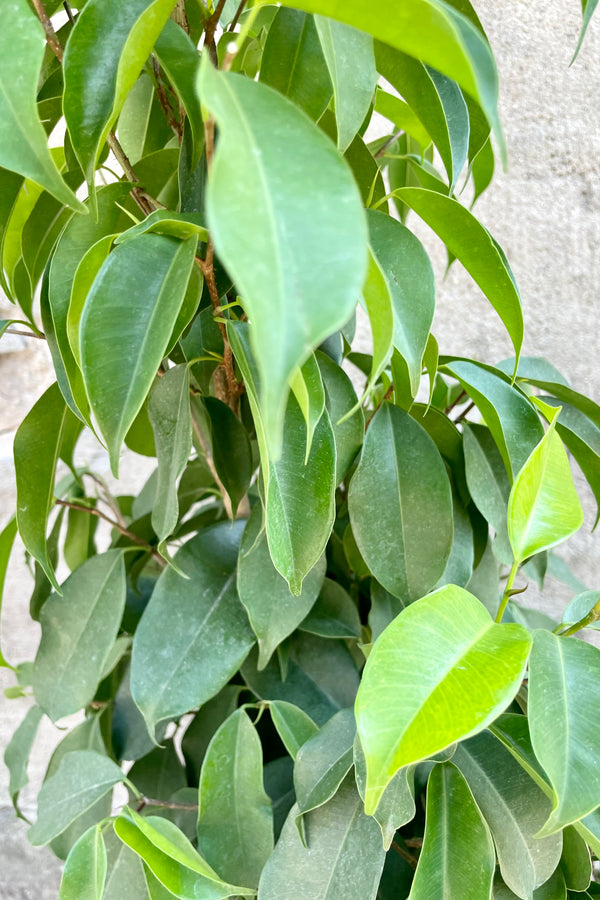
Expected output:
(323, 761)
(575, 861)
(334, 615)
(397, 804)
(84, 874)
(203, 726)
(487, 481)
(384, 608)
(164, 221)
(340, 398)
(159, 774)
(125, 874)
(231, 450)
(293, 725)
(16, 755)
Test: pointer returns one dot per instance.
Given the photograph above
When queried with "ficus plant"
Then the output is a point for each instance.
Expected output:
(302, 650)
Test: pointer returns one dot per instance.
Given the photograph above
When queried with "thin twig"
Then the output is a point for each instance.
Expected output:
(236, 18)
(211, 465)
(179, 15)
(48, 27)
(449, 409)
(465, 412)
(31, 334)
(114, 524)
(210, 28)
(163, 99)
(69, 11)
(410, 859)
(388, 143)
(165, 804)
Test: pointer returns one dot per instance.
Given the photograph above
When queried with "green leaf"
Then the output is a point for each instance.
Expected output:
(159, 774)
(334, 615)
(409, 275)
(344, 857)
(575, 861)
(298, 274)
(293, 725)
(142, 127)
(563, 686)
(23, 141)
(86, 272)
(169, 411)
(351, 62)
(16, 755)
(384, 608)
(377, 298)
(340, 399)
(476, 249)
(293, 62)
(401, 484)
(487, 481)
(274, 612)
(36, 450)
(83, 777)
(514, 807)
(543, 507)
(205, 723)
(179, 58)
(7, 539)
(84, 874)
(130, 339)
(307, 385)
(103, 58)
(193, 635)
(429, 30)
(125, 874)
(588, 7)
(323, 761)
(79, 628)
(412, 699)
(164, 221)
(235, 820)
(231, 450)
(579, 607)
(298, 524)
(401, 114)
(397, 804)
(458, 856)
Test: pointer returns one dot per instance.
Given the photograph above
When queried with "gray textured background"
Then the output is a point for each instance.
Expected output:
(544, 212)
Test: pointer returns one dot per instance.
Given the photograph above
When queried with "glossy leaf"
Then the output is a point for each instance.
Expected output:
(232, 454)
(440, 672)
(79, 627)
(514, 807)
(308, 389)
(397, 804)
(340, 398)
(179, 58)
(401, 114)
(235, 821)
(129, 340)
(580, 606)
(205, 723)
(400, 490)
(351, 62)
(84, 874)
(487, 481)
(409, 275)
(575, 861)
(194, 634)
(563, 682)
(16, 754)
(384, 608)
(23, 142)
(169, 412)
(293, 62)
(167, 222)
(344, 856)
(311, 268)
(86, 272)
(298, 525)
(36, 451)
(377, 298)
(334, 614)
(543, 507)
(104, 56)
(83, 777)
(458, 856)
(7, 539)
(274, 612)
(293, 725)
(324, 760)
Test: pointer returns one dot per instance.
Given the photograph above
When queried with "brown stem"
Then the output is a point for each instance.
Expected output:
(236, 18)
(114, 524)
(410, 859)
(32, 334)
(387, 396)
(449, 409)
(163, 99)
(209, 31)
(69, 11)
(465, 412)
(165, 804)
(388, 143)
(179, 15)
(48, 27)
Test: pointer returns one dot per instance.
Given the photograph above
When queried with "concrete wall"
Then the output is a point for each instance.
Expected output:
(545, 212)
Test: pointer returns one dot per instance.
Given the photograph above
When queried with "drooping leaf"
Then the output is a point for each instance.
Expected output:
(400, 505)
(125, 874)
(84, 874)
(403, 117)
(377, 299)
(575, 861)
(334, 614)
(83, 777)
(514, 807)
(344, 856)
(16, 755)
(340, 398)
(397, 804)
(274, 612)
(23, 141)
(487, 481)
(323, 761)
(458, 857)
(104, 56)
(129, 339)
(7, 539)
(307, 385)
(194, 634)
(86, 272)
(310, 268)
(231, 450)
(563, 684)
(235, 821)
(293, 725)
(36, 451)
(446, 647)
(588, 7)
(179, 58)
(351, 62)
(384, 608)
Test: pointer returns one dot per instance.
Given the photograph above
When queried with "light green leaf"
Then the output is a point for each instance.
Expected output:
(575, 861)
(351, 62)
(457, 858)
(429, 30)
(7, 539)
(235, 820)
(397, 804)
(412, 701)
(79, 628)
(293, 62)
(323, 761)
(334, 615)
(298, 273)
(36, 451)
(142, 127)
(86, 272)
(179, 58)
(579, 607)
(169, 411)
(563, 687)
(23, 141)
(298, 524)
(307, 386)
(104, 56)
(344, 856)
(400, 505)
(588, 7)
(84, 874)
(83, 777)
(476, 249)
(16, 755)
(129, 338)
(340, 398)
(403, 117)
(377, 299)
(409, 275)
(164, 221)
(293, 725)
(274, 612)
(543, 507)
(194, 634)
(514, 807)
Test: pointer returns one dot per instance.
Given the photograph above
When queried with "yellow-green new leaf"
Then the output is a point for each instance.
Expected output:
(543, 507)
(440, 672)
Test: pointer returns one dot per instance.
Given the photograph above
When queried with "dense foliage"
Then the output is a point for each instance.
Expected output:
(301, 649)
